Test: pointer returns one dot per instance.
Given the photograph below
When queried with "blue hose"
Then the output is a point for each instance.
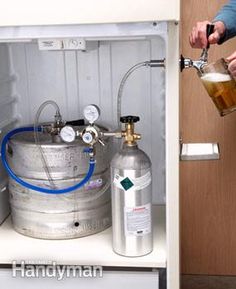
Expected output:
(30, 186)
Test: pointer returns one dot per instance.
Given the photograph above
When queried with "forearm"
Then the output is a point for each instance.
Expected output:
(227, 15)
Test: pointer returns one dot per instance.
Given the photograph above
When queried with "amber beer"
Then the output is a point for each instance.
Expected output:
(222, 89)
(220, 86)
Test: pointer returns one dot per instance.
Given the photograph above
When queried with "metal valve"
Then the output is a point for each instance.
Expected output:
(92, 134)
(129, 134)
(198, 64)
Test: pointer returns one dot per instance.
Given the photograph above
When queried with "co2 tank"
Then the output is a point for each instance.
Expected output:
(131, 196)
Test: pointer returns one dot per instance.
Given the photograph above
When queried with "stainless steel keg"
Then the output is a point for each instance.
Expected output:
(80, 213)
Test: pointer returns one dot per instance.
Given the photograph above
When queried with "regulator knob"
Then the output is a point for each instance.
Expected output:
(88, 137)
(129, 119)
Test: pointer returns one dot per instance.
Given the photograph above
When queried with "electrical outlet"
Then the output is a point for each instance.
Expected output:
(74, 44)
(62, 44)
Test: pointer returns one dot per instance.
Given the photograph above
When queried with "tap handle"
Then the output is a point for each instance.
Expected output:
(209, 31)
(129, 119)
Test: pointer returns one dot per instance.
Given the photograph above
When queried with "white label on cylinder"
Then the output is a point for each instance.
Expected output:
(128, 183)
(137, 220)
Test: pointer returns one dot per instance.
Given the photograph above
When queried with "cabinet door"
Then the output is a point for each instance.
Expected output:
(208, 188)
(44, 12)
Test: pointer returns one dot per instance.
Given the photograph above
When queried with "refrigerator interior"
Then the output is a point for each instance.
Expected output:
(74, 79)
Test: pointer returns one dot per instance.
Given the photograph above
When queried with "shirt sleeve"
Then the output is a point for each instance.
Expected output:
(227, 15)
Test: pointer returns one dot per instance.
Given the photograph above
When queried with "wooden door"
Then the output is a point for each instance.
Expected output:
(208, 188)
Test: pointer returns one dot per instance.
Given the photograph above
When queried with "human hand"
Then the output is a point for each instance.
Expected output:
(232, 64)
(198, 37)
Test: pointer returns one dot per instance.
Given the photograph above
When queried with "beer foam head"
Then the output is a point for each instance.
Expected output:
(216, 77)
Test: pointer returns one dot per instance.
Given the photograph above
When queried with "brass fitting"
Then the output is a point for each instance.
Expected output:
(129, 134)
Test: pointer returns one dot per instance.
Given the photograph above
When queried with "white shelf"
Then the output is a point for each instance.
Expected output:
(92, 250)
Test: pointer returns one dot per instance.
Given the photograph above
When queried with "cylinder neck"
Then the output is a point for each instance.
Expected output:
(130, 145)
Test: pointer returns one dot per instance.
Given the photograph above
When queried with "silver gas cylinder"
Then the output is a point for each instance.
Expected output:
(79, 213)
(131, 196)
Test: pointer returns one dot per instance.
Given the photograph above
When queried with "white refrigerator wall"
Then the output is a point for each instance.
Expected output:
(7, 100)
(75, 78)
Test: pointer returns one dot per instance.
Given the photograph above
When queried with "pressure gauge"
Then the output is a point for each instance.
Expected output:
(91, 113)
(68, 134)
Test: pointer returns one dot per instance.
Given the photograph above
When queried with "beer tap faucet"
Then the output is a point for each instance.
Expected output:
(198, 64)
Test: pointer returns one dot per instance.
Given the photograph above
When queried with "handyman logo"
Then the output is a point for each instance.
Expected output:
(26, 270)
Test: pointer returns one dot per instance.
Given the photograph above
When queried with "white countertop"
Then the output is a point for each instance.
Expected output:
(92, 250)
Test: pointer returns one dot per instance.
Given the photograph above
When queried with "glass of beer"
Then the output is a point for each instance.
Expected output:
(220, 86)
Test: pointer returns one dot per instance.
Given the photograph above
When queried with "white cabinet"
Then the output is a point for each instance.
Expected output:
(20, 86)
(117, 271)
(91, 250)
(109, 279)
(44, 12)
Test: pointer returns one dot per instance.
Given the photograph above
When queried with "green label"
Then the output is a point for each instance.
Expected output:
(126, 184)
